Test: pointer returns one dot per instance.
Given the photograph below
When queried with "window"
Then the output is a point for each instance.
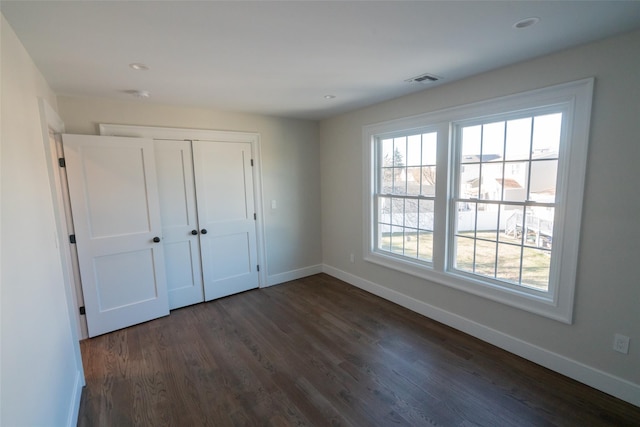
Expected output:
(405, 195)
(486, 197)
(505, 197)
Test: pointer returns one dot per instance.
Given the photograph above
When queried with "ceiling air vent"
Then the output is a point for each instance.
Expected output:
(423, 78)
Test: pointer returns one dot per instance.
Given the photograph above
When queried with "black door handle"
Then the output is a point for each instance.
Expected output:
(203, 231)
(156, 239)
(194, 232)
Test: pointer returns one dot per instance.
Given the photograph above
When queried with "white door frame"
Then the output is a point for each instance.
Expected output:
(50, 120)
(210, 135)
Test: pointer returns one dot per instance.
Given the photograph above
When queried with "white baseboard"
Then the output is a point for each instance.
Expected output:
(615, 386)
(76, 395)
(276, 279)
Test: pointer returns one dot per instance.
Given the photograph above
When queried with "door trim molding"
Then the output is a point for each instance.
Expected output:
(168, 133)
(50, 120)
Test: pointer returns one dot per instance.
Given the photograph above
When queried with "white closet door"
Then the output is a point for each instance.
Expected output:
(114, 199)
(224, 185)
(174, 166)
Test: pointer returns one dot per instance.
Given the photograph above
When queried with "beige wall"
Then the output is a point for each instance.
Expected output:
(608, 289)
(40, 379)
(290, 167)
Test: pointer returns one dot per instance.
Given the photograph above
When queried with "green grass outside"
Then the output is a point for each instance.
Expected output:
(535, 265)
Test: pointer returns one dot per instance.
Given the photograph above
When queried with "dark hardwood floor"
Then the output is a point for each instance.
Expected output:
(319, 352)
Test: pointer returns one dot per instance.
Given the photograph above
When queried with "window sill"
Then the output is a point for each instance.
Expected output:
(542, 304)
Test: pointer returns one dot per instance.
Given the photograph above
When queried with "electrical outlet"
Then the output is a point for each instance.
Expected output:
(621, 343)
(352, 258)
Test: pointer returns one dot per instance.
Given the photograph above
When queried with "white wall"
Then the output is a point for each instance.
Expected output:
(290, 169)
(608, 289)
(40, 377)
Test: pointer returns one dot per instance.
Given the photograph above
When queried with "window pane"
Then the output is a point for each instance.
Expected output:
(512, 219)
(471, 144)
(414, 150)
(428, 177)
(397, 240)
(425, 221)
(508, 267)
(492, 141)
(515, 181)
(387, 152)
(546, 135)
(397, 211)
(485, 258)
(535, 268)
(464, 255)
(411, 243)
(384, 237)
(425, 245)
(399, 152)
(411, 213)
(399, 181)
(543, 181)
(518, 139)
(539, 227)
(387, 180)
(547, 216)
(491, 182)
(429, 148)
(487, 221)
(413, 181)
(465, 218)
(469, 181)
(384, 210)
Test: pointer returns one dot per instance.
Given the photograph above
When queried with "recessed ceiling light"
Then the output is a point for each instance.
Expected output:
(329, 96)
(525, 23)
(138, 66)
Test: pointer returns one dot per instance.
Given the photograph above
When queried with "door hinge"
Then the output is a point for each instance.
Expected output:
(251, 162)
(82, 310)
(258, 267)
(62, 163)
(72, 238)
(255, 217)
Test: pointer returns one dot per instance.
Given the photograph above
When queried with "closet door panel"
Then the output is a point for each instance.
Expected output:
(224, 185)
(174, 167)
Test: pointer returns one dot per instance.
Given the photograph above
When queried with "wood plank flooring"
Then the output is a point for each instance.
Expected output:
(319, 352)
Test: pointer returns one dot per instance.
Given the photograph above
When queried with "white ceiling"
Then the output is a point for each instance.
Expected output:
(282, 58)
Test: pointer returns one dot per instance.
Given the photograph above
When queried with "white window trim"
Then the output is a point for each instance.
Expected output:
(558, 302)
